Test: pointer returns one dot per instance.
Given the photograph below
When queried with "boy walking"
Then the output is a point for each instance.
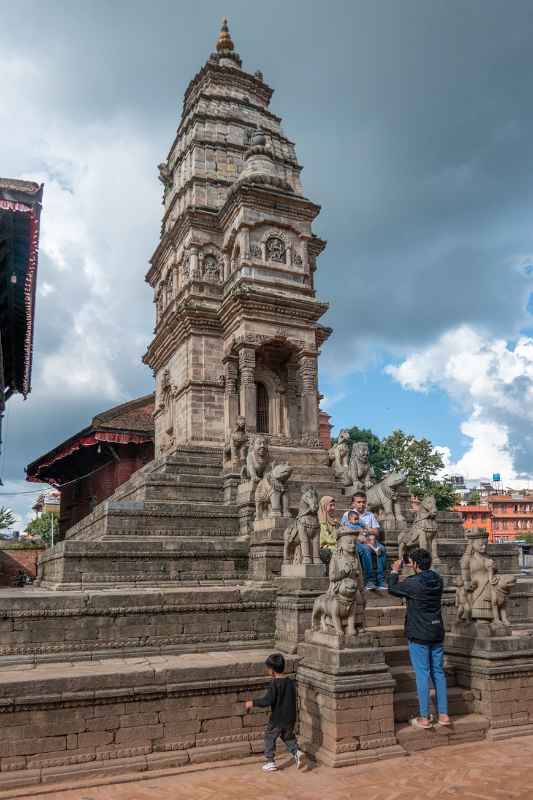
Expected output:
(281, 697)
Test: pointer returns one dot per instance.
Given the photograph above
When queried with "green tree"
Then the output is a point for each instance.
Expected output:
(7, 518)
(42, 526)
(444, 492)
(375, 455)
(417, 457)
(473, 498)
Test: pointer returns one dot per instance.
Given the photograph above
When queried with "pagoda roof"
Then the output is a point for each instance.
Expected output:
(20, 209)
(81, 454)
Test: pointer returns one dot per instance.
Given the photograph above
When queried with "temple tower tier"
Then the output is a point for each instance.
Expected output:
(237, 320)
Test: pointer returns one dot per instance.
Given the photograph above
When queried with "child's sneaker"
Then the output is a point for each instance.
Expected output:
(300, 759)
(270, 766)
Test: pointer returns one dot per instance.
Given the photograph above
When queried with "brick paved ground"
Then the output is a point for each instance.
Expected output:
(484, 771)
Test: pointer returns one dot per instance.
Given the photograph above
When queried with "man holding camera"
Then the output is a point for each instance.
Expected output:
(424, 629)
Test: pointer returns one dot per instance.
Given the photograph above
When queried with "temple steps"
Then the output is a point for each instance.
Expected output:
(406, 703)
(465, 728)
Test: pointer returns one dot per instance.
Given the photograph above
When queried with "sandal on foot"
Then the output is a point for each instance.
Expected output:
(415, 722)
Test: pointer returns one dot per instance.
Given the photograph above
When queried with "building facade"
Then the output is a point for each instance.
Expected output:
(20, 212)
(88, 466)
(506, 517)
(237, 330)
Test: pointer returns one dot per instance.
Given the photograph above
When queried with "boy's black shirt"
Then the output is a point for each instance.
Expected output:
(281, 697)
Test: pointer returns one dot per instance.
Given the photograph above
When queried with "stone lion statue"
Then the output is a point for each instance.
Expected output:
(237, 448)
(335, 611)
(271, 493)
(302, 537)
(382, 496)
(339, 456)
(500, 589)
(257, 460)
(360, 470)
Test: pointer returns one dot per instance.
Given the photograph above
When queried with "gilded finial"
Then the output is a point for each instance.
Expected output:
(224, 39)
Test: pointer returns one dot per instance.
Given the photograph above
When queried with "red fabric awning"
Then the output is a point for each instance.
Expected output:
(83, 441)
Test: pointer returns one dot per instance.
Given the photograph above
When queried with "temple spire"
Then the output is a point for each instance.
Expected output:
(224, 41)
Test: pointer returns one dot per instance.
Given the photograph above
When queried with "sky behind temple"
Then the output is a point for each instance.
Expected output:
(414, 123)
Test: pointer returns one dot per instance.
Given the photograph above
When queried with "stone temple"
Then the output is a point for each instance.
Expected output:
(150, 622)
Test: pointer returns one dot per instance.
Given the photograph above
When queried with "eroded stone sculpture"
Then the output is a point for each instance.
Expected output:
(237, 448)
(423, 530)
(382, 498)
(481, 599)
(302, 537)
(271, 496)
(339, 457)
(341, 610)
(257, 460)
(360, 470)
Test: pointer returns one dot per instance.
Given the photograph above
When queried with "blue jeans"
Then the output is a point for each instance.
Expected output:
(365, 556)
(427, 661)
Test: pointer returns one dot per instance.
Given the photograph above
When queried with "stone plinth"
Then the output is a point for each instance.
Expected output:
(294, 609)
(346, 700)
(266, 548)
(499, 672)
(231, 487)
(302, 570)
(246, 505)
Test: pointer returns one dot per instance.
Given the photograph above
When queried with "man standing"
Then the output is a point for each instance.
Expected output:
(424, 629)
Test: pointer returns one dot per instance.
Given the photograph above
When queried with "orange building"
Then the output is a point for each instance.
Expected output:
(505, 517)
(477, 517)
(512, 516)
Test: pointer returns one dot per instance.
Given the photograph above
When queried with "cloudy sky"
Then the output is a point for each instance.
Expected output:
(414, 123)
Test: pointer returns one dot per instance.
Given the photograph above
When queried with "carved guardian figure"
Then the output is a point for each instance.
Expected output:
(423, 529)
(339, 456)
(360, 470)
(382, 496)
(271, 495)
(257, 460)
(485, 594)
(237, 449)
(335, 611)
(302, 537)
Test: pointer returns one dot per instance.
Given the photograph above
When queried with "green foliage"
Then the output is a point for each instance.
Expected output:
(443, 491)
(473, 498)
(7, 518)
(42, 526)
(417, 457)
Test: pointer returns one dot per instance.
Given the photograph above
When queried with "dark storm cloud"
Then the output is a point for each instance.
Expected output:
(413, 121)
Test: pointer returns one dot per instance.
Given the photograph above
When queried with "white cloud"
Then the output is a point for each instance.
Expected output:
(491, 381)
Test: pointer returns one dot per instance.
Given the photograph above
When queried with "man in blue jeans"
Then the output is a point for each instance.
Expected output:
(425, 632)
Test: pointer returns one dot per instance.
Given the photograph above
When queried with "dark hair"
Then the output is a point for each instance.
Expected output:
(421, 558)
(359, 494)
(352, 511)
(276, 663)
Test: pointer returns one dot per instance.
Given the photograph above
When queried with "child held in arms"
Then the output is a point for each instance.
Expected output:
(281, 698)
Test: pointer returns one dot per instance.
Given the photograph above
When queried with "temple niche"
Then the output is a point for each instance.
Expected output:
(273, 385)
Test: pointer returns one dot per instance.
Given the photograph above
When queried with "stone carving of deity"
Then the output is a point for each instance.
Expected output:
(423, 530)
(341, 610)
(482, 595)
(275, 249)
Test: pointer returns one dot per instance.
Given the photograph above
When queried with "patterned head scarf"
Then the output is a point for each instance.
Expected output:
(324, 516)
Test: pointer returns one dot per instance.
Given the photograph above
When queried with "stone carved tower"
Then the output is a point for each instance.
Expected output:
(237, 328)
